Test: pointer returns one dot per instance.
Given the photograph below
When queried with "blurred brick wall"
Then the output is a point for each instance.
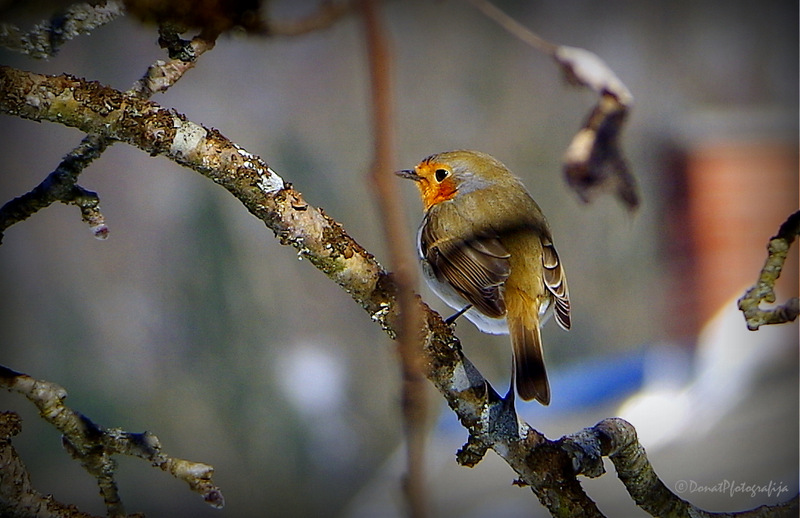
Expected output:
(739, 192)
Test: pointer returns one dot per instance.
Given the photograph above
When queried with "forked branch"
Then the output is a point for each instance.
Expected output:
(94, 447)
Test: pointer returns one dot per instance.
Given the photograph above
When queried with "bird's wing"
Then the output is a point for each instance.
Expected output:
(476, 267)
(556, 281)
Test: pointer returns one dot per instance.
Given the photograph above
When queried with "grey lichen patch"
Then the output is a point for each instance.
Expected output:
(188, 136)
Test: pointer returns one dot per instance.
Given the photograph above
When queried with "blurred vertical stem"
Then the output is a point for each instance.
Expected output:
(401, 256)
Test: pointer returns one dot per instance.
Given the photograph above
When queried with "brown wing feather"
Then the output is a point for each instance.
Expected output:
(556, 281)
(476, 268)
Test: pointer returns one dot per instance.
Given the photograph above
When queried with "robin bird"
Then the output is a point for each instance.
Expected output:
(486, 251)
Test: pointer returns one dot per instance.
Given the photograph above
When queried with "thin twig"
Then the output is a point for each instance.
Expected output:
(514, 27)
(61, 185)
(414, 403)
(45, 39)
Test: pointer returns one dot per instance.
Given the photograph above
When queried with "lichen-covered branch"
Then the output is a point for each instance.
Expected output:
(593, 161)
(616, 439)
(45, 38)
(550, 468)
(96, 109)
(764, 289)
(94, 446)
(158, 131)
(61, 185)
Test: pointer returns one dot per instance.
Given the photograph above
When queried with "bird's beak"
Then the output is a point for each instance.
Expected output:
(409, 173)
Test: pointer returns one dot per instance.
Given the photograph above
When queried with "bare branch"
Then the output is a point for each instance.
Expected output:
(94, 446)
(159, 131)
(764, 289)
(61, 185)
(45, 39)
(617, 439)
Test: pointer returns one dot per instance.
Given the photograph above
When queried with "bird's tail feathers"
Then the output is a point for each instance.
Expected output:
(529, 371)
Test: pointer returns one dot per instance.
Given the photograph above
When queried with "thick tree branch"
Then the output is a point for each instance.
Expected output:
(548, 467)
(616, 439)
(159, 131)
(764, 289)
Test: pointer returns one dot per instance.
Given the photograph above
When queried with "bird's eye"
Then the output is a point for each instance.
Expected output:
(441, 174)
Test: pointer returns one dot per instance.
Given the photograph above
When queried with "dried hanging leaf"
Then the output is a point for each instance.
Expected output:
(585, 68)
(593, 162)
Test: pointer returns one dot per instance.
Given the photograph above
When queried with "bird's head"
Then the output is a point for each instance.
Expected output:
(444, 176)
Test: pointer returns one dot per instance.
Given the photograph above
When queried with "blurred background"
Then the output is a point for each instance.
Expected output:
(191, 321)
